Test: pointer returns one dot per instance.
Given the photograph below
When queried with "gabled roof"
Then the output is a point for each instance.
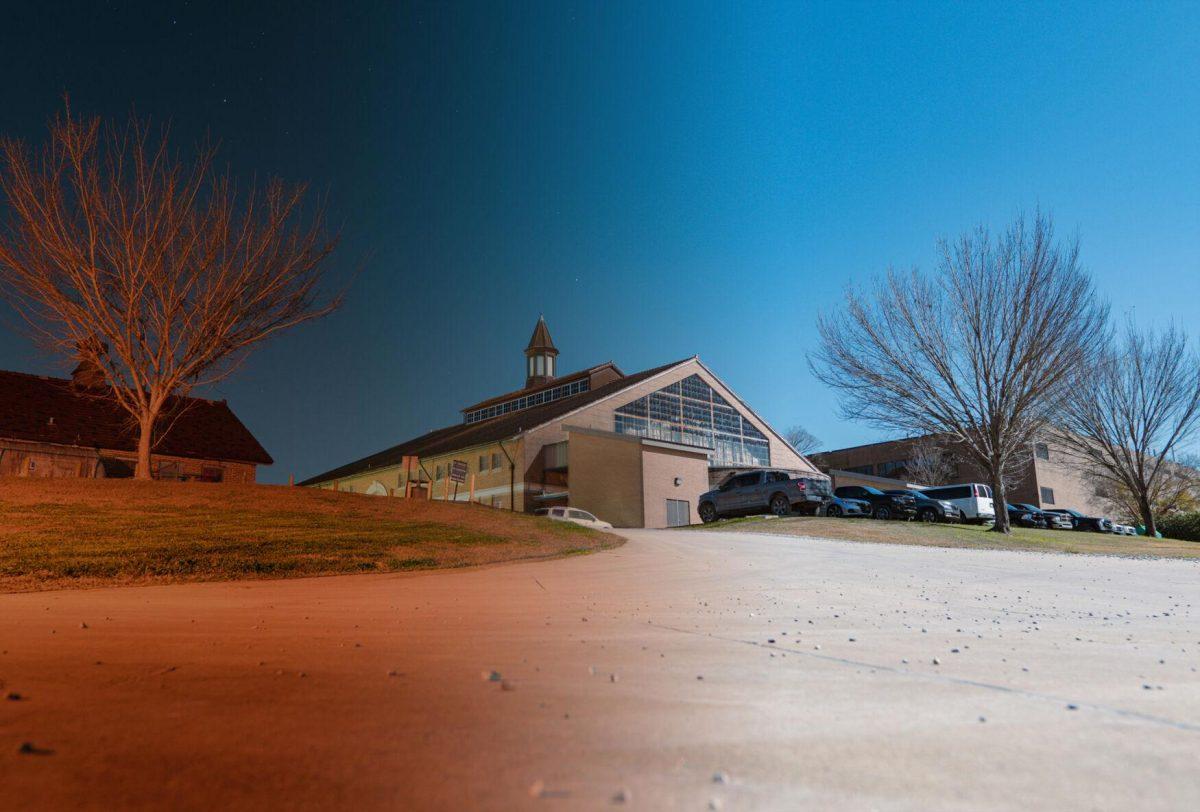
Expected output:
(553, 382)
(460, 436)
(50, 410)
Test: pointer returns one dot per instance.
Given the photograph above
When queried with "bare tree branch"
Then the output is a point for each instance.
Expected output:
(981, 352)
(802, 440)
(152, 267)
(1130, 414)
(930, 462)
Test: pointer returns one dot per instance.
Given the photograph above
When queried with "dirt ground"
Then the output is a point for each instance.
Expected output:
(680, 671)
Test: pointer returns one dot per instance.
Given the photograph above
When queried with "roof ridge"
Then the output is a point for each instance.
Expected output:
(497, 429)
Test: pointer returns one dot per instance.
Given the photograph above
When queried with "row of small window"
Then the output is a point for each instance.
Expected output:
(536, 399)
(493, 462)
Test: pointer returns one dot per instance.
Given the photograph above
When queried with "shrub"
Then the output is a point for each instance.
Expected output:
(1182, 526)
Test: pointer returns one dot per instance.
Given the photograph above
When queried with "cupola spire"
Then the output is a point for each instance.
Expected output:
(540, 356)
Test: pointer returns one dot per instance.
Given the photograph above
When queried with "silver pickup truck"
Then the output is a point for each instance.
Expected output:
(776, 492)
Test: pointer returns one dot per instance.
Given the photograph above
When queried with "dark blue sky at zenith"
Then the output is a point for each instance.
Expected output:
(659, 179)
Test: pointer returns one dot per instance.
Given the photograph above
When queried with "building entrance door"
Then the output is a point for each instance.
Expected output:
(679, 513)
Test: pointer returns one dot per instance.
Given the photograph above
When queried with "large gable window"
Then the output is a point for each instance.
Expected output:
(691, 413)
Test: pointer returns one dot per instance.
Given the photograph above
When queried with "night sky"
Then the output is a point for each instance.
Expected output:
(659, 179)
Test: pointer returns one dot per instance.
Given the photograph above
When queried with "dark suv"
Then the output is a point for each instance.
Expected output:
(931, 510)
(1095, 524)
(883, 505)
(776, 492)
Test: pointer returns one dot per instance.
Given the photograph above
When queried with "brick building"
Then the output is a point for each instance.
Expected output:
(1048, 478)
(54, 427)
(634, 449)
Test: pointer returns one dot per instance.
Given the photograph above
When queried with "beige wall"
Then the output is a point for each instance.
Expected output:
(491, 483)
(660, 467)
(606, 477)
(1071, 489)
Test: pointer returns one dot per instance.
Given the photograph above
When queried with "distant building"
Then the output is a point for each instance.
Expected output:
(636, 450)
(53, 427)
(1047, 479)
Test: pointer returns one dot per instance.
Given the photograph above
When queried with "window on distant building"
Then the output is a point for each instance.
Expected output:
(889, 468)
(437, 472)
(862, 469)
(211, 473)
(689, 412)
(1047, 496)
(483, 461)
(495, 461)
(1042, 450)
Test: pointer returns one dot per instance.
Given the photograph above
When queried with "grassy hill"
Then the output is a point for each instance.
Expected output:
(62, 533)
(962, 535)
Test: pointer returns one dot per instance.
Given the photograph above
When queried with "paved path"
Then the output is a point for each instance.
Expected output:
(648, 669)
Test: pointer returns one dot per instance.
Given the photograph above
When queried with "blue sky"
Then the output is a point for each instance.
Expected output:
(660, 180)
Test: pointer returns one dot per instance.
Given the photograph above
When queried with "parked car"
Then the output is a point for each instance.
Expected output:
(931, 510)
(570, 514)
(883, 505)
(775, 492)
(1094, 524)
(1124, 530)
(973, 499)
(848, 507)
(1024, 517)
(1052, 521)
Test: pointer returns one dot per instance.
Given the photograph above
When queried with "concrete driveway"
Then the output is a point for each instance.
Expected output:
(686, 670)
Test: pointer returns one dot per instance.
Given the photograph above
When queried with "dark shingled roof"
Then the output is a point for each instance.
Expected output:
(50, 410)
(452, 438)
(550, 384)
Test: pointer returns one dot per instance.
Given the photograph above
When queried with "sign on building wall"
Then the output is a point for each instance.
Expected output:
(458, 471)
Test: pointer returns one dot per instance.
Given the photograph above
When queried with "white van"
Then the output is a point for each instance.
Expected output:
(973, 499)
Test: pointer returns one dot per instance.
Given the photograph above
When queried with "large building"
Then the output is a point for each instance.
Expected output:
(634, 449)
(52, 427)
(1047, 478)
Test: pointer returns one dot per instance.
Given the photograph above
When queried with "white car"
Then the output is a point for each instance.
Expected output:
(1124, 530)
(570, 514)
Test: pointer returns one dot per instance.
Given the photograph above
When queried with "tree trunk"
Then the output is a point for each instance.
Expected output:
(145, 443)
(1000, 505)
(1147, 517)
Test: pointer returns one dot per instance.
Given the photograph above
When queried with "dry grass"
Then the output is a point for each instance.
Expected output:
(66, 533)
(964, 536)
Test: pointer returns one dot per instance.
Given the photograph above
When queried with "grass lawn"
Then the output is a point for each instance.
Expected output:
(63, 533)
(962, 535)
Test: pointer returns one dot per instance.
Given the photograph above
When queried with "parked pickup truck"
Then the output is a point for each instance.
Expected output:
(775, 492)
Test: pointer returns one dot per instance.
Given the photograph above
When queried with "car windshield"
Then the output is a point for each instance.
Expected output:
(873, 491)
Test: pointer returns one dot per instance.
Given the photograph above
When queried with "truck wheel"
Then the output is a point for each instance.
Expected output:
(708, 513)
(927, 515)
(883, 513)
(780, 505)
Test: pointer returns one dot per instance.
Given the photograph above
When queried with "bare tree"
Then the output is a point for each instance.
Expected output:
(149, 267)
(981, 352)
(1130, 413)
(801, 439)
(930, 462)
